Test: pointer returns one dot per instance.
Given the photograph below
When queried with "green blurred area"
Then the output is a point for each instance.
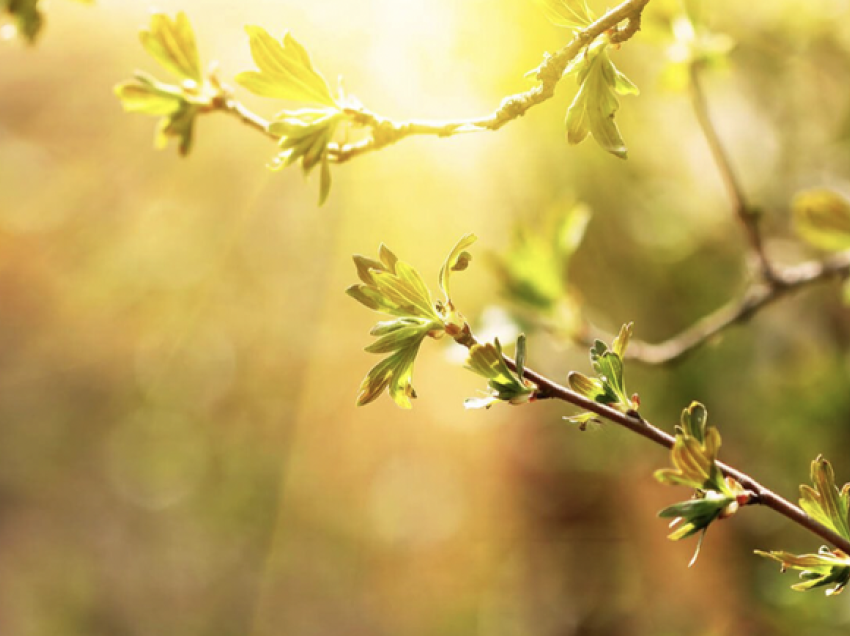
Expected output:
(179, 447)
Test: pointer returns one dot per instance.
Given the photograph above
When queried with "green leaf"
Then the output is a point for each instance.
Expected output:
(571, 14)
(594, 106)
(694, 455)
(286, 71)
(457, 261)
(822, 218)
(305, 136)
(393, 287)
(395, 372)
(826, 568)
(144, 96)
(487, 361)
(825, 502)
(172, 44)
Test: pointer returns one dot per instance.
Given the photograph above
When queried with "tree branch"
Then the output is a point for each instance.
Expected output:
(747, 214)
(385, 132)
(756, 297)
(636, 424)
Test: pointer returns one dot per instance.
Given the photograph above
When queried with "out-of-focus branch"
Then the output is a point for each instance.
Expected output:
(747, 214)
(783, 282)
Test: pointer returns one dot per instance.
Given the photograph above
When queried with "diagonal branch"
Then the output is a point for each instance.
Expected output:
(746, 213)
(756, 297)
(635, 423)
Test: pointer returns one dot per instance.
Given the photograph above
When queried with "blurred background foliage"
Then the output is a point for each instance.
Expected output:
(179, 447)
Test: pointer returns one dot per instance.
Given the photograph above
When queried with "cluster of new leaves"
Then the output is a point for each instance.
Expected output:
(608, 387)
(504, 385)
(393, 287)
(533, 272)
(828, 505)
(27, 16)
(694, 458)
(172, 44)
(286, 72)
(594, 106)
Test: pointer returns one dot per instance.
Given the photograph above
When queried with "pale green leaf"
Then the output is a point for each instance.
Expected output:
(285, 71)
(571, 14)
(172, 44)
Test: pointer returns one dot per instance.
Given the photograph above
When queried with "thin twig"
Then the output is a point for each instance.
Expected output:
(385, 132)
(636, 424)
(747, 215)
(758, 296)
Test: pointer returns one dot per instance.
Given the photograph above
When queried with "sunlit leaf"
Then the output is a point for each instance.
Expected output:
(172, 44)
(393, 287)
(286, 71)
(594, 106)
(304, 137)
(505, 386)
(571, 14)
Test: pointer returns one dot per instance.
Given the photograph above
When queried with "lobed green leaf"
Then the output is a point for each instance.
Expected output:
(285, 71)
(172, 44)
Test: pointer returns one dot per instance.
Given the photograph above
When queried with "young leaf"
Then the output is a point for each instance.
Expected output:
(822, 218)
(395, 372)
(694, 455)
(826, 568)
(487, 361)
(172, 44)
(285, 71)
(608, 387)
(595, 104)
(457, 261)
(571, 14)
(304, 136)
(825, 502)
(393, 287)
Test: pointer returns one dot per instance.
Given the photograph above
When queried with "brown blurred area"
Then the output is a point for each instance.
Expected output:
(179, 448)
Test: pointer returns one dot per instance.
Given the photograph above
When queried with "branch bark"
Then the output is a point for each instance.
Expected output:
(783, 283)
(636, 424)
(385, 132)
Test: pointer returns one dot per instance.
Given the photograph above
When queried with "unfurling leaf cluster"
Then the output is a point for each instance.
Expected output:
(504, 385)
(694, 459)
(826, 504)
(594, 106)
(608, 387)
(172, 44)
(393, 287)
(286, 72)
